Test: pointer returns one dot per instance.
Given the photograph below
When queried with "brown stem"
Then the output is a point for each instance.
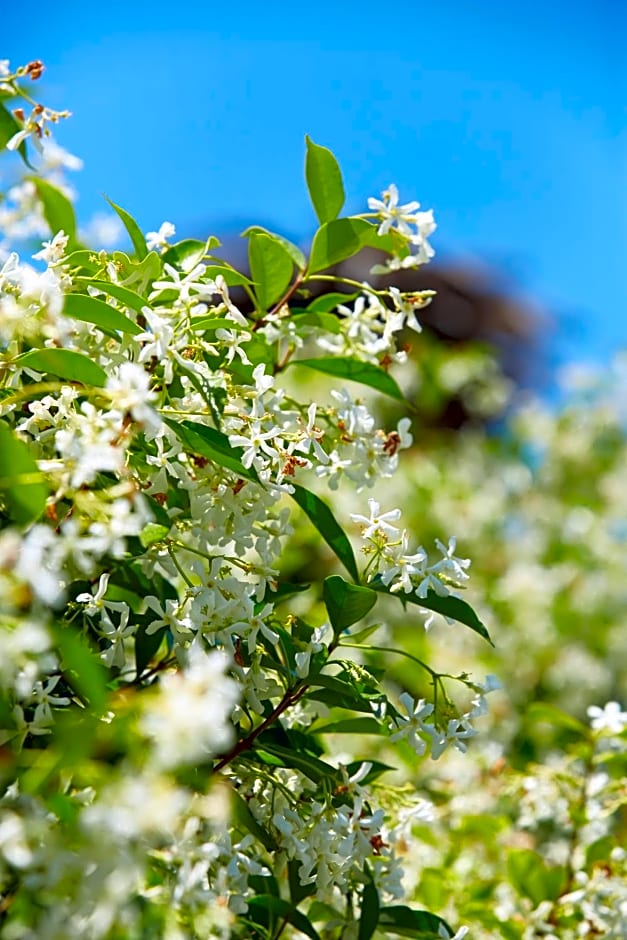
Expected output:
(290, 698)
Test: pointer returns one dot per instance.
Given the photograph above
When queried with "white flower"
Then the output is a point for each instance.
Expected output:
(609, 718)
(53, 250)
(410, 726)
(393, 215)
(377, 522)
(159, 239)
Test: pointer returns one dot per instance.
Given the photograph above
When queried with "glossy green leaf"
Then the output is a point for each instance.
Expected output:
(66, 364)
(8, 128)
(271, 267)
(328, 302)
(232, 278)
(133, 229)
(212, 444)
(293, 251)
(266, 908)
(57, 209)
(21, 482)
(370, 909)
(100, 313)
(363, 725)
(453, 607)
(324, 181)
(185, 254)
(317, 770)
(406, 922)
(336, 241)
(355, 371)
(346, 603)
(128, 297)
(328, 527)
(84, 259)
(138, 274)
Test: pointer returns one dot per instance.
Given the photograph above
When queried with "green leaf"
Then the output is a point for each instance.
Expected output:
(231, 277)
(138, 274)
(293, 251)
(57, 209)
(209, 324)
(21, 481)
(81, 666)
(67, 364)
(533, 878)
(336, 241)
(346, 603)
(370, 909)
(409, 923)
(271, 267)
(128, 297)
(146, 646)
(363, 725)
(453, 607)
(318, 321)
(328, 527)
(85, 259)
(324, 181)
(328, 302)
(8, 128)
(208, 442)
(133, 229)
(242, 815)
(266, 907)
(541, 711)
(153, 532)
(185, 254)
(280, 756)
(103, 315)
(355, 371)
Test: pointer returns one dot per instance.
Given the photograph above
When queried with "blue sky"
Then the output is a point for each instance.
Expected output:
(507, 119)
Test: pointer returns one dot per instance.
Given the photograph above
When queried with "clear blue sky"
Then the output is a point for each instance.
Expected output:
(506, 118)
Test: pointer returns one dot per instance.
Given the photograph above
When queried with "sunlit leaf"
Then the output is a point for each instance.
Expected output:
(100, 313)
(66, 364)
(355, 371)
(324, 181)
(133, 229)
(57, 209)
(346, 603)
(271, 267)
(328, 527)
(336, 241)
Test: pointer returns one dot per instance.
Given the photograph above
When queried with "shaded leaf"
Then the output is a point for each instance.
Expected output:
(81, 666)
(328, 527)
(208, 442)
(355, 371)
(364, 725)
(241, 814)
(147, 646)
(409, 923)
(313, 768)
(370, 908)
(264, 907)
(21, 481)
